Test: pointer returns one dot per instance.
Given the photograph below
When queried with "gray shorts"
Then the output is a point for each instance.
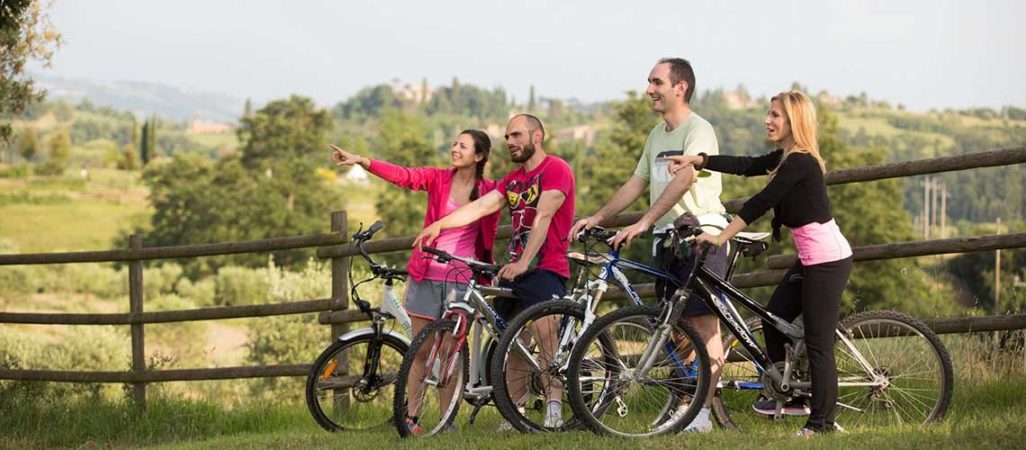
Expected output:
(427, 299)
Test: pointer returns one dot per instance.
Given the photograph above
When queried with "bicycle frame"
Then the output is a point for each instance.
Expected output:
(473, 311)
(704, 282)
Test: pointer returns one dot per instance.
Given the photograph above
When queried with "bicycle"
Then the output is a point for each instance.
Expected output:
(349, 383)
(566, 319)
(453, 369)
(872, 369)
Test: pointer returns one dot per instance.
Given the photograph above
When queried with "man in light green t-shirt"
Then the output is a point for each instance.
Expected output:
(681, 132)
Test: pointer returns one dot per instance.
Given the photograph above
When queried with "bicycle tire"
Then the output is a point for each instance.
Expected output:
(324, 377)
(531, 420)
(897, 346)
(682, 392)
(446, 414)
(740, 380)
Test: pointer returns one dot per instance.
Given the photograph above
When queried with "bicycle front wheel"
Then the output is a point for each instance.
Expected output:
(348, 388)
(431, 381)
(740, 382)
(908, 380)
(614, 394)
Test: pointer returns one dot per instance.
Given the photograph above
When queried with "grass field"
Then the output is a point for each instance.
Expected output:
(988, 415)
(69, 213)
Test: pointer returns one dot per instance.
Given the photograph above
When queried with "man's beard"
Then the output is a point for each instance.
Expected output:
(526, 152)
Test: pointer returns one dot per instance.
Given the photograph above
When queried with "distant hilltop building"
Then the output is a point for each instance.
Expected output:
(739, 99)
(825, 98)
(420, 93)
(199, 126)
(584, 133)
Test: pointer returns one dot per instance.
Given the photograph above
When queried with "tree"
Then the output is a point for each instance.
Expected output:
(530, 100)
(60, 151)
(25, 33)
(148, 145)
(284, 130)
(129, 158)
(28, 146)
(268, 191)
(144, 149)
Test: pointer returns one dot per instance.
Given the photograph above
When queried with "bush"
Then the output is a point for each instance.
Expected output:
(313, 282)
(177, 341)
(15, 282)
(240, 286)
(17, 171)
(202, 292)
(160, 280)
(93, 348)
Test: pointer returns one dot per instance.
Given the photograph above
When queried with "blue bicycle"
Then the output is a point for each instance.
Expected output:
(548, 332)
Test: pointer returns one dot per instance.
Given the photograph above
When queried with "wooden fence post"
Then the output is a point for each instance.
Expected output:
(340, 302)
(135, 307)
(339, 275)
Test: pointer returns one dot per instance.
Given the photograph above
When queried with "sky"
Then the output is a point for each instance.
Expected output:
(920, 53)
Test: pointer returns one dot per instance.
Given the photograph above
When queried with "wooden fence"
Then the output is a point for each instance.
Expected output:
(335, 310)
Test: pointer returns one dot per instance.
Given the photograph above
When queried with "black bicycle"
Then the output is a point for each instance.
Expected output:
(891, 367)
(351, 384)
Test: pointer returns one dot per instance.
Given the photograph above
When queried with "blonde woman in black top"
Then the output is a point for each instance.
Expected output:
(796, 191)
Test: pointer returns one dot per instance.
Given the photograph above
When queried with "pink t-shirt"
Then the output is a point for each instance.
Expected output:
(457, 241)
(819, 243)
(522, 190)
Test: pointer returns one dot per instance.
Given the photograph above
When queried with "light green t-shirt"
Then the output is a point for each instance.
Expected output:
(695, 135)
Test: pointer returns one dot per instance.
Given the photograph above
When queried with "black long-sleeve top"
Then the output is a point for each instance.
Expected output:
(797, 193)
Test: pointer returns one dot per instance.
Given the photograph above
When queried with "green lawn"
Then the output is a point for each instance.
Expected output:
(83, 224)
(991, 415)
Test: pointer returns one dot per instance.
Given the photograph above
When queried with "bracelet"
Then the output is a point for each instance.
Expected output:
(705, 160)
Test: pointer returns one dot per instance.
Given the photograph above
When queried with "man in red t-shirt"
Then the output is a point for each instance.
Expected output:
(540, 197)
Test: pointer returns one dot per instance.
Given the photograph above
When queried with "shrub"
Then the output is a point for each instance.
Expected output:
(240, 286)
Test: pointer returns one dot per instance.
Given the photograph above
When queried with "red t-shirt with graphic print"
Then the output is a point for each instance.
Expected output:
(522, 190)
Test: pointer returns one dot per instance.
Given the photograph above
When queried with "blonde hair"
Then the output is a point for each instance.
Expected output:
(801, 115)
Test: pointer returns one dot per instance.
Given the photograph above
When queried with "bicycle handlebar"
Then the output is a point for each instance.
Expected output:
(596, 234)
(474, 265)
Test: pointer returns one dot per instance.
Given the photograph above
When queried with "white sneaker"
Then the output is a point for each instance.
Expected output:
(701, 424)
(553, 414)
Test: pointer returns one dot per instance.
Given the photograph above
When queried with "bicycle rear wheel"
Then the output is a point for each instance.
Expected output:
(429, 391)
(529, 365)
(609, 394)
(346, 390)
(910, 371)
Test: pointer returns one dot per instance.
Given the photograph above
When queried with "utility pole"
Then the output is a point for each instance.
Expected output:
(926, 208)
(934, 204)
(944, 211)
(997, 273)
(997, 284)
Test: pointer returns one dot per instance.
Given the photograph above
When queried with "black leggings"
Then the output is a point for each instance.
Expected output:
(817, 297)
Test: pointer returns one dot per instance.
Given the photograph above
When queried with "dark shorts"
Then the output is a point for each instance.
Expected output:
(716, 262)
(530, 289)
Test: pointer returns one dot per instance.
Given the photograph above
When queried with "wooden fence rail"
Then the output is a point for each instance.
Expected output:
(335, 310)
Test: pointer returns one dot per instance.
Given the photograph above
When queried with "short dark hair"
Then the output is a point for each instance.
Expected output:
(680, 70)
(533, 122)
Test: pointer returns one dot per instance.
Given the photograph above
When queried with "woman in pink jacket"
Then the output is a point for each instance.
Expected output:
(432, 283)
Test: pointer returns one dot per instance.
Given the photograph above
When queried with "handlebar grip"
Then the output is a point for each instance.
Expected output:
(434, 251)
(376, 227)
(602, 234)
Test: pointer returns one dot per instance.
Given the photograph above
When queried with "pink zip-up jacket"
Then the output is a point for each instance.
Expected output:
(437, 182)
